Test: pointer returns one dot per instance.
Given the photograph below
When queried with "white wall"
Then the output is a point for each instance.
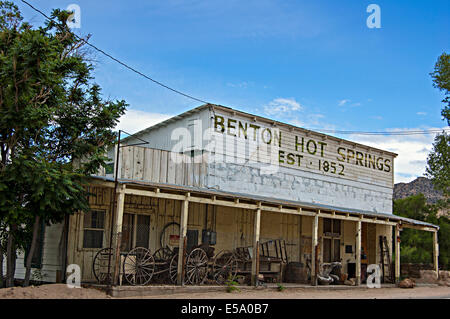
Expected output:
(50, 256)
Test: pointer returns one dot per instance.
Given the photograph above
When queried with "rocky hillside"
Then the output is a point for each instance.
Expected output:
(420, 185)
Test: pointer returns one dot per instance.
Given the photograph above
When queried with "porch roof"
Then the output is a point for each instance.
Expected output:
(266, 200)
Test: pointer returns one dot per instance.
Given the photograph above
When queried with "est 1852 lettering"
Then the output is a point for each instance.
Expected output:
(331, 167)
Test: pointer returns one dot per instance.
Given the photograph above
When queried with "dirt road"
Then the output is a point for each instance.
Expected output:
(61, 291)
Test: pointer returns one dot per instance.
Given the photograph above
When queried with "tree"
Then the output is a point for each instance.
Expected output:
(438, 168)
(55, 127)
(438, 162)
(416, 244)
(441, 80)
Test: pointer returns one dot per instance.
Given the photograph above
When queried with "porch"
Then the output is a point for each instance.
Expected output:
(312, 235)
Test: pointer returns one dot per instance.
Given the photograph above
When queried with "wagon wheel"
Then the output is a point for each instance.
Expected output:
(196, 266)
(225, 266)
(138, 266)
(162, 258)
(163, 254)
(102, 259)
(170, 236)
(173, 269)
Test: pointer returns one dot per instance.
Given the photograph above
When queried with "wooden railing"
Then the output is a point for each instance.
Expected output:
(159, 166)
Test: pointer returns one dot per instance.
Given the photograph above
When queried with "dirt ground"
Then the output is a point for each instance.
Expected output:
(61, 291)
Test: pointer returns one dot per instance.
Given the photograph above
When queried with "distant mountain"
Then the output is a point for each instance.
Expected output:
(419, 185)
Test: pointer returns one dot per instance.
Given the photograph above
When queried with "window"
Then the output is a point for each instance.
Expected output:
(94, 226)
(331, 240)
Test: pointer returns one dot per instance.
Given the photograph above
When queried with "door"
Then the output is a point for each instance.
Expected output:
(135, 231)
(127, 232)
(331, 240)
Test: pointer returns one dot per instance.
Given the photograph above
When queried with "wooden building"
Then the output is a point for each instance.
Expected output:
(249, 182)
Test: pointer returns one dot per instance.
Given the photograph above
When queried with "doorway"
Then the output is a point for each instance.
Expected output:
(135, 231)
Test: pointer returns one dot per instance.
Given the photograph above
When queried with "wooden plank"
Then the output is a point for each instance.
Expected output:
(138, 165)
(163, 168)
(171, 168)
(148, 161)
(420, 227)
(436, 254)
(183, 232)
(397, 253)
(127, 160)
(204, 170)
(188, 171)
(314, 243)
(156, 167)
(255, 257)
(358, 252)
(195, 174)
(179, 175)
(118, 229)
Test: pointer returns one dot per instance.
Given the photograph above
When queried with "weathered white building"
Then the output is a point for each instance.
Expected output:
(248, 180)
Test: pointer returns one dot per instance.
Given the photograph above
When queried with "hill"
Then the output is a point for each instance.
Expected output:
(419, 185)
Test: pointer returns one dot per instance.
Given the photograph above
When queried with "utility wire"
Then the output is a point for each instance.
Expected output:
(421, 132)
(120, 62)
(400, 132)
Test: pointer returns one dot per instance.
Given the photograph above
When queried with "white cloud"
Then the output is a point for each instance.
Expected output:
(421, 113)
(133, 120)
(412, 151)
(241, 85)
(282, 106)
(347, 101)
(342, 102)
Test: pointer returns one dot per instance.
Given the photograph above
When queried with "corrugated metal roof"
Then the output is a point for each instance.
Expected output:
(268, 200)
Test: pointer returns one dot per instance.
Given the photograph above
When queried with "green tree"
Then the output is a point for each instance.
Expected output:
(438, 168)
(54, 127)
(417, 245)
(441, 80)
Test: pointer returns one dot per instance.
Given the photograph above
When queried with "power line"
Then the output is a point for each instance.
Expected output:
(399, 132)
(120, 62)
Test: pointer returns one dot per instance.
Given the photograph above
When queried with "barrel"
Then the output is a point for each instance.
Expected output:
(296, 272)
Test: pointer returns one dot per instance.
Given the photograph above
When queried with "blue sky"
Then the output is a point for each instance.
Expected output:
(315, 64)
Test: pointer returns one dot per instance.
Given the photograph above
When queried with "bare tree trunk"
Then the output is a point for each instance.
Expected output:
(10, 257)
(26, 281)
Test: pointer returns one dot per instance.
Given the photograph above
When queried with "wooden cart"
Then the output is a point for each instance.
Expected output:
(272, 259)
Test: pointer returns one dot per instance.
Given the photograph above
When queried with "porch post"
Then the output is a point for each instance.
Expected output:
(436, 253)
(314, 250)
(118, 231)
(358, 253)
(397, 253)
(182, 242)
(255, 256)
